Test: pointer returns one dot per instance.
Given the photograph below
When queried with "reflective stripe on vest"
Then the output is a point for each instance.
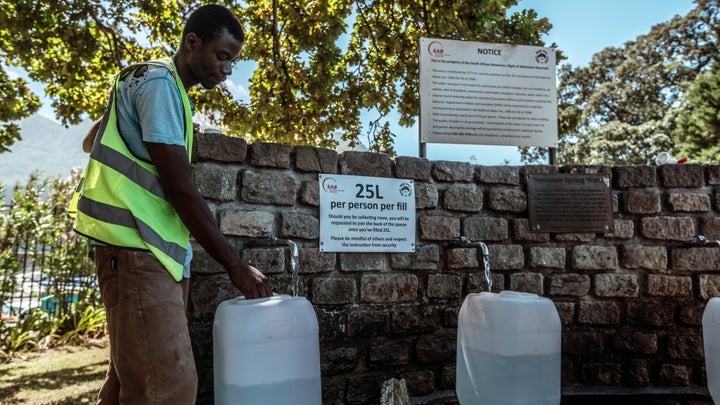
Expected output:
(121, 201)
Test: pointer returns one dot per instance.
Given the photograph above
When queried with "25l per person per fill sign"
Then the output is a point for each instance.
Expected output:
(366, 214)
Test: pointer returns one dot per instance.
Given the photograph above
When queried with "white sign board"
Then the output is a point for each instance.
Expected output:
(366, 214)
(488, 94)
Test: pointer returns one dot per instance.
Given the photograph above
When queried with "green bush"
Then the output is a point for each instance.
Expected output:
(35, 229)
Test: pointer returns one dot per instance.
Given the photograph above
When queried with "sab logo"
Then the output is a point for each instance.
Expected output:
(435, 49)
(329, 185)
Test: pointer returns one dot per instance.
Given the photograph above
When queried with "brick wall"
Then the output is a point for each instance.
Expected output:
(630, 301)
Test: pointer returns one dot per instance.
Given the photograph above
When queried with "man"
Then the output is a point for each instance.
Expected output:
(138, 204)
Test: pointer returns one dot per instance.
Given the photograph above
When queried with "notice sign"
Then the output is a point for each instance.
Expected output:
(487, 94)
(366, 214)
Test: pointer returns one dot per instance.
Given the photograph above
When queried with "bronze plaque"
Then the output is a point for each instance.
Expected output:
(571, 203)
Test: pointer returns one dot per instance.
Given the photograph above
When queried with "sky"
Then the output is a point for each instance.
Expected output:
(581, 28)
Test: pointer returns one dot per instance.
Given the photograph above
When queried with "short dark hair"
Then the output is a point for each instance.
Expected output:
(208, 21)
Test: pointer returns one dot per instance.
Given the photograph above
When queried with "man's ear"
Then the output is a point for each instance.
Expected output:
(192, 41)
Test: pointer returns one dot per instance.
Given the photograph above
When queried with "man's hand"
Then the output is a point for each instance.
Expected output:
(250, 281)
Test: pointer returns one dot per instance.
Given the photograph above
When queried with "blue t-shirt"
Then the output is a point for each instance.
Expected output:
(150, 109)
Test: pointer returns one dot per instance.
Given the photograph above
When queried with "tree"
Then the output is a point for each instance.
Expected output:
(320, 64)
(622, 108)
(698, 123)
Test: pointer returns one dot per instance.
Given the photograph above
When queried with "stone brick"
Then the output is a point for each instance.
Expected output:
(363, 262)
(426, 195)
(326, 291)
(507, 200)
(637, 373)
(313, 261)
(635, 176)
(301, 226)
(388, 288)
(268, 188)
(508, 175)
(574, 237)
(437, 227)
(598, 313)
(310, 193)
(365, 164)
(686, 347)
(668, 228)
(444, 286)
(643, 202)
(219, 147)
(413, 320)
(339, 360)
(425, 257)
(264, 154)
(367, 323)
(419, 383)
(461, 258)
(331, 323)
(566, 311)
(710, 228)
(672, 374)
(547, 257)
(601, 373)
(485, 228)
(527, 171)
(506, 257)
(642, 343)
(268, 260)
(436, 349)
(594, 258)
(692, 314)
(713, 174)
(443, 170)
(316, 160)
(649, 313)
(696, 259)
(208, 292)
(463, 198)
(385, 353)
(246, 223)
(689, 202)
(522, 232)
(709, 286)
(574, 285)
(622, 229)
(645, 257)
(364, 390)
(477, 282)
(669, 286)
(582, 343)
(203, 263)
(527, 282)
(616, 285)
(215, 182)
(686, 175)
(407, 167)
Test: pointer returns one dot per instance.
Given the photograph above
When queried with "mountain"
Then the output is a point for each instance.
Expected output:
(46, 147)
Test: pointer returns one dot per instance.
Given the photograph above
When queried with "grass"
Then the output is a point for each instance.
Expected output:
(62, 376)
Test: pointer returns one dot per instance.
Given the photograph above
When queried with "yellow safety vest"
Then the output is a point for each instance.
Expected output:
(120, 200)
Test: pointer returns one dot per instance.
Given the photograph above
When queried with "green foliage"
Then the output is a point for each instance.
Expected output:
(698, 124)
(35, 229)
(622, 108)
(319, 64)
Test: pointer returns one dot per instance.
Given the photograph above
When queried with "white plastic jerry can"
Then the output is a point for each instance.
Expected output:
(508, 350)
(266, 352)
(711, 344)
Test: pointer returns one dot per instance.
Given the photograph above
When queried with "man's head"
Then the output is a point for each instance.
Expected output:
(211, 41)
(207, 22)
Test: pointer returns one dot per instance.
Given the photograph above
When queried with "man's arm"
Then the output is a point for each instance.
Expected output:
(173, 167)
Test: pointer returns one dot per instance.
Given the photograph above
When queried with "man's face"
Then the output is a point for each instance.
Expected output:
(211, 61)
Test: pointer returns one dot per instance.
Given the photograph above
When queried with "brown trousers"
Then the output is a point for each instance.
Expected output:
(151, 359)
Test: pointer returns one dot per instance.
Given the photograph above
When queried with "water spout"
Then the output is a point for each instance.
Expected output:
(294, 254)
(485, 258)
